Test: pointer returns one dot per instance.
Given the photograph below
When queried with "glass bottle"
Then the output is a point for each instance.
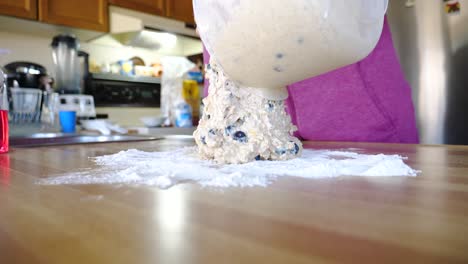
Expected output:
(3, 114)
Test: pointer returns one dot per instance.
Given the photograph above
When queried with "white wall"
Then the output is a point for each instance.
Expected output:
(26, 48)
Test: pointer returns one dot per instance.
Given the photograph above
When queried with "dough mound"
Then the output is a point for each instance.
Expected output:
(240, 126)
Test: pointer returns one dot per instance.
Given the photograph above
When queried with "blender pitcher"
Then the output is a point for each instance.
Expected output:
(65, 55)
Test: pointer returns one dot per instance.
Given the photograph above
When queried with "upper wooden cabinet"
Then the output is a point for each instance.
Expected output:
(19, 8)
(93, 14)
(155, 7)
(180, 10)
(176, 9)
(86, 14)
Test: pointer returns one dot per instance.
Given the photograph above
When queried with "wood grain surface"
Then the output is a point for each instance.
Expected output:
(420, 219)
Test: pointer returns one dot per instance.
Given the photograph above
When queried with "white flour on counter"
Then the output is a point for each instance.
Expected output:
(166, 169)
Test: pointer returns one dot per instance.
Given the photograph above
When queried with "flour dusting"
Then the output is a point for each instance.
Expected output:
(166, 169)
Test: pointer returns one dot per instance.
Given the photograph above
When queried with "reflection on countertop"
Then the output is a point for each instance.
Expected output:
(35, 135)
(165, 131)
(53, 139)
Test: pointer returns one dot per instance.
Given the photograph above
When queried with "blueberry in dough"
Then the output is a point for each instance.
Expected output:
(258, 157)
(270, 106)
(240, 136)
(280, 151)
(203, 140)
(212, 132)
(228, 130)
(295, 150)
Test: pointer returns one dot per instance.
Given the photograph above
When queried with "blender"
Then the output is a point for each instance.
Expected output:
(68, 72)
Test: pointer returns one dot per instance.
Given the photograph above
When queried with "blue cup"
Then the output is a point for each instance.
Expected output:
(68, 121)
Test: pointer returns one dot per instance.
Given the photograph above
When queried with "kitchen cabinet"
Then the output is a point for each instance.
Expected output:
(19, 8)
(176, 9)
(85, 14)
(154, 7)
(180, 10)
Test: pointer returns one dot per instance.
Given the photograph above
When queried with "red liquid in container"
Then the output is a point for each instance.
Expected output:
(3, 131)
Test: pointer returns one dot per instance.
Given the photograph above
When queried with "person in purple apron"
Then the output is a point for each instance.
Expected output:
(369, 101)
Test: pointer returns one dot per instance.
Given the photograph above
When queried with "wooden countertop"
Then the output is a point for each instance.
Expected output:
(342, 220)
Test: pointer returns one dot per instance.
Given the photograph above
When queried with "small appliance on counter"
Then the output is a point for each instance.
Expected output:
(83, 105)
(27, 81)
(70, 73)
(26, 74)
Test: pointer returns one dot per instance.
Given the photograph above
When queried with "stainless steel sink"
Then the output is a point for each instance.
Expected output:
(47, 139)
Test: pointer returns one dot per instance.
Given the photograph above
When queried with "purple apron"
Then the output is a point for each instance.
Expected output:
(369, 101)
